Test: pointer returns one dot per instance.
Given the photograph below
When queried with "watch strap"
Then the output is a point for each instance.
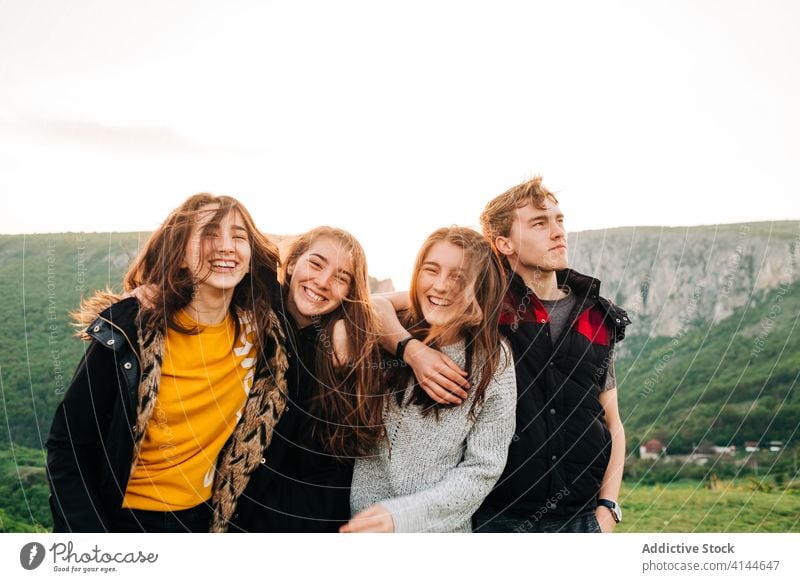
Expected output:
(612, 505)
(401, 347)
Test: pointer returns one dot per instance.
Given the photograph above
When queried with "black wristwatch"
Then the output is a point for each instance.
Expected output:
(613, 506)
(401, 347)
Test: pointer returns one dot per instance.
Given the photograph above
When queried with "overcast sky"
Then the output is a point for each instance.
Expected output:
(392, 119)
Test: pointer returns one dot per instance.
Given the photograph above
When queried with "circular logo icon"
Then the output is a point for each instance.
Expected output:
(31, 555)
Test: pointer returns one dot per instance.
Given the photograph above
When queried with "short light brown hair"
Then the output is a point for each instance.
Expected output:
(498, 216)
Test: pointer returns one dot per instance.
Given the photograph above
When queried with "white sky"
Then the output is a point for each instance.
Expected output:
(392, 119)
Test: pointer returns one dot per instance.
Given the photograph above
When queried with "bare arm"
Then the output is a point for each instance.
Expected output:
(398, 299)
(612, 479)
(392, 331)
(443, 380)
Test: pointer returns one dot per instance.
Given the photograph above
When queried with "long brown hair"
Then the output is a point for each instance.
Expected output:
(160, 267)
(347, 407)
(478, 325)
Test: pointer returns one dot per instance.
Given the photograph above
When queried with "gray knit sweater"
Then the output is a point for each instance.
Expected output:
(438, 472)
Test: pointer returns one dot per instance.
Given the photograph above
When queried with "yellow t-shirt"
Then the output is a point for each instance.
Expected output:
(205, 379)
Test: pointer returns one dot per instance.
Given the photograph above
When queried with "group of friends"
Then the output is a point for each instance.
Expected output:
(232, 389)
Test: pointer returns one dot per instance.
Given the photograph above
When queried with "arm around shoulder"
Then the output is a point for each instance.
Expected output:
(437, 374)
(399, 300)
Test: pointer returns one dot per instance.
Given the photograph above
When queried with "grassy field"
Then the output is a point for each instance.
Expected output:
(692, 507)
(747, 505)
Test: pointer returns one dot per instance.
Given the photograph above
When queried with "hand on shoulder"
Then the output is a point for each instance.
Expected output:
(341, 344)
(145, 294)
(439, 376)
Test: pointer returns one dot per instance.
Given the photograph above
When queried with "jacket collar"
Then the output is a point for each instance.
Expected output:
(121, 315)
(580, 284)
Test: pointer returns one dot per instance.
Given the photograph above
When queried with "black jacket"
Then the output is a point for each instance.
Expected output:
(91, 442)
(559, 454)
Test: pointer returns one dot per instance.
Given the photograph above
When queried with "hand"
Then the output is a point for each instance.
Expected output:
(375, 519)
(439, 376)
(605, 519)
(144, 293)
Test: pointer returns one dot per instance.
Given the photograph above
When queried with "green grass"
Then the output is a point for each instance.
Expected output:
(747, 505)
(692, 507)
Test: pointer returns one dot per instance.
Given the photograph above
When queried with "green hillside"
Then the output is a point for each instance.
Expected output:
(23, 491)
(42, 278)
(726, 382)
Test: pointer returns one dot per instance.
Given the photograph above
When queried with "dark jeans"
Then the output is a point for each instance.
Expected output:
(194, 520)
(488, 520)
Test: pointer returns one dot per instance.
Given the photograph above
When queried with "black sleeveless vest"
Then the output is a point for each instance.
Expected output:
(561, 446)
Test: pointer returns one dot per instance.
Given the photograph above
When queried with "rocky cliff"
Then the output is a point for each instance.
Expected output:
(671, 278)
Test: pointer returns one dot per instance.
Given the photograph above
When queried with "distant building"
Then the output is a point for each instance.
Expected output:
(775, 446)
(751, 446)
(652, 449)
(702, 453)
(730, 450)
(705, 448)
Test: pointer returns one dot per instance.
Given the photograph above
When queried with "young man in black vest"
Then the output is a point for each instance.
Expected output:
(565, 463)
